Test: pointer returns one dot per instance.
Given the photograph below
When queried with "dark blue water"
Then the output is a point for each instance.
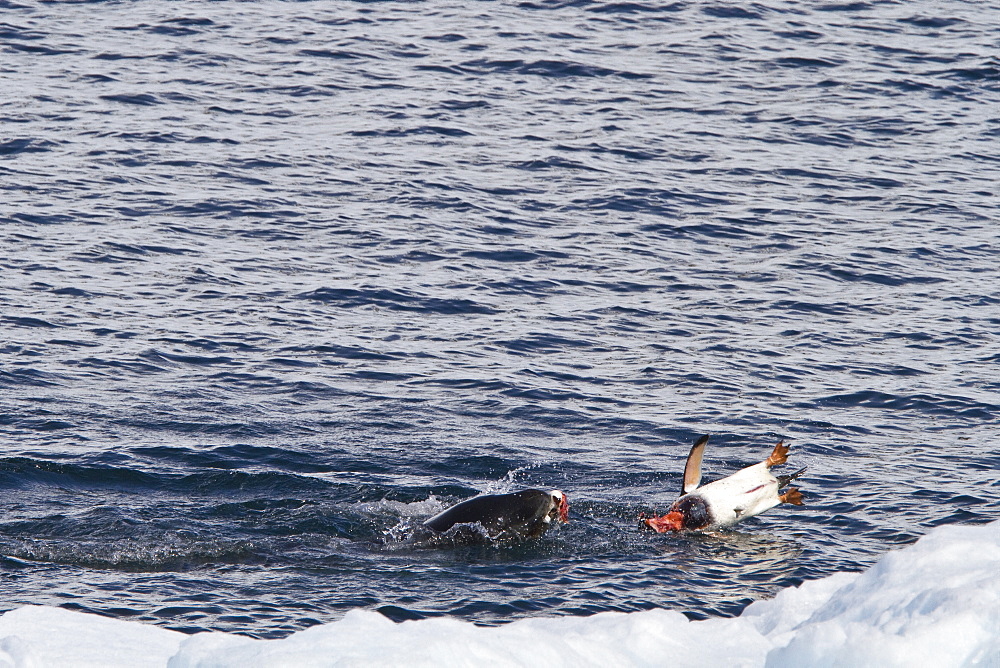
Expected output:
(276, 277)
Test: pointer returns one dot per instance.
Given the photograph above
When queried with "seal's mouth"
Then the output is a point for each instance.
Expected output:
(560, 506)
(563, 509)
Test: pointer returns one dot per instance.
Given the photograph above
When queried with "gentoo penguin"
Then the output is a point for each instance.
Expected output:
(524, 514)
(744, 494)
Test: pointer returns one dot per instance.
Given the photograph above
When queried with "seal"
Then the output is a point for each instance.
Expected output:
(725, 502)
(525, 514)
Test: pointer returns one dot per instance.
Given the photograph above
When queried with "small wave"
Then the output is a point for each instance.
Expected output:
(635, 8)
(346, 352)
(334, 54)
(28, 471)
(29, 377)
(42, 218)
(730, 12)
(172, 30)
(157, 357)
(34, 323)
(134, 555)
(409, 535)
(954, 406)
(507, 255)
(38, 49)
(27, 145)
(546, 68)
(220, 427)
(126, 365)
(798, 61)
(931, 21)
(555, 162)
(989, 71)
(848, 274)
(465, 383)
(147, 249)
(10, 31)
(542, 342)
(845, 7)
(140, 99)
(405, 132)
(523, 286)
(399, 300)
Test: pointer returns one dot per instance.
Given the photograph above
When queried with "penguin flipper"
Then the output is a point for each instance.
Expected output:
(692, 470)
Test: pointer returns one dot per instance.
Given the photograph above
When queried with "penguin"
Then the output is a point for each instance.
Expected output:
(525, 514)
(724, 502)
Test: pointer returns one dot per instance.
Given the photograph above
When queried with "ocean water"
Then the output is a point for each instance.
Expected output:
(278, 278)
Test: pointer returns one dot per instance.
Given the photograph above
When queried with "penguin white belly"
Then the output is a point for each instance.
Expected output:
(744, 494)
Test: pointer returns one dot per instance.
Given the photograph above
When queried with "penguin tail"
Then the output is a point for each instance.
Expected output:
(785, 479)
(792, 496)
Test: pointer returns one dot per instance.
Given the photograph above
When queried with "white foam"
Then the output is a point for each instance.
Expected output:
(935, 603)
(431, 506)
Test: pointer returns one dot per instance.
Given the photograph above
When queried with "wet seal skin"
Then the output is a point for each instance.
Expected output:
(524, 514)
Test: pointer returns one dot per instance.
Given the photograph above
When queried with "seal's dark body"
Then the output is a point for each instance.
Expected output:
(521, 514)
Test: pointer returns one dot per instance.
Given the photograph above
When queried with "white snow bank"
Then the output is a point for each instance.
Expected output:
(935, 603)
(39, 637)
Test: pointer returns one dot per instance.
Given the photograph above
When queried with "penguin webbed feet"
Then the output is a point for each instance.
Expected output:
(792, 495)
(778, 456)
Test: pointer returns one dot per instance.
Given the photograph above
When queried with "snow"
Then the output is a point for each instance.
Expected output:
(934, 603)
(40, 637)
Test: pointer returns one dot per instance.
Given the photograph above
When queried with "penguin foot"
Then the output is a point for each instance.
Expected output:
(778, 456)
(792, 496)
